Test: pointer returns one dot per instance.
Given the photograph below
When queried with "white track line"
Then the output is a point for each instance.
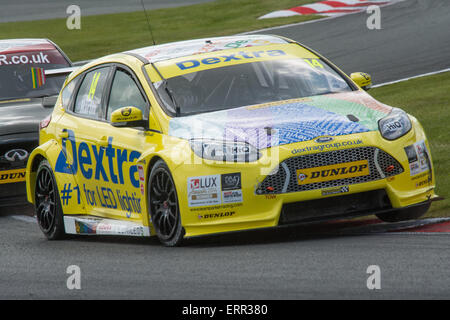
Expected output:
(410, 78)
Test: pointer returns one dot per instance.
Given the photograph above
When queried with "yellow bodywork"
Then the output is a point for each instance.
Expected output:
(124, 196)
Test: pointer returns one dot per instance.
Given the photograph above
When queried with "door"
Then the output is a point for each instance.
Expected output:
(121, 194)
(79, 130)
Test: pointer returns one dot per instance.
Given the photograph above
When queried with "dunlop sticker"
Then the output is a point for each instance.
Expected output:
(12, 176)
(333, 172)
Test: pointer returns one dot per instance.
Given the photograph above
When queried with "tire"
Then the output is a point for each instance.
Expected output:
(162, 199)
(406, 214)
(47, 203)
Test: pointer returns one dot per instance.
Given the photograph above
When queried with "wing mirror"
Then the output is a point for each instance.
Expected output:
(128, 117)
(363, 80)
(49, 102)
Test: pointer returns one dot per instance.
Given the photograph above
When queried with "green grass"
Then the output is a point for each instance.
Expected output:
(104, 34)
(428, 99)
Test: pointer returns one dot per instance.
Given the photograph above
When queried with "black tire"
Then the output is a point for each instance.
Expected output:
(47, 203)
(406, 214)
(162, 199)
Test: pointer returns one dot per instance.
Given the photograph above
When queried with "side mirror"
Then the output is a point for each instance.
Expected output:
(128, 117)
(363, 80)
(49, 102)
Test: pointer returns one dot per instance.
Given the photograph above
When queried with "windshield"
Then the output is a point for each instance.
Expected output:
(249, 84)
(22, 75)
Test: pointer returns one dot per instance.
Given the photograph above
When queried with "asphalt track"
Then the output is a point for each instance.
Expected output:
(310, 262)
(414, 39)
(292, 263)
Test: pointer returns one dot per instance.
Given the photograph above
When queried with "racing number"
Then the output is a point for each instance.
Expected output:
(314, 63)
(94, 85)
(66, 194)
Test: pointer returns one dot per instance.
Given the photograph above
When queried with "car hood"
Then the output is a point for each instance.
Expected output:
(285, 122)
(22, 115)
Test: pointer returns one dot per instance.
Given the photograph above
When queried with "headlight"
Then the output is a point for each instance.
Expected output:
(228, 151)
(395, 125)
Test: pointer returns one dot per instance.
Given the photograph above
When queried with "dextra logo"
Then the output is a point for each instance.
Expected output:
(194, 63)
(88, 159)
(24, 59)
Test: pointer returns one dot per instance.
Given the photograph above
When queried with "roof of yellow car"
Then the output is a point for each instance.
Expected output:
(179, 49)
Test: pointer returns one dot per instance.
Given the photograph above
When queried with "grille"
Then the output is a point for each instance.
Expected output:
(284, 179)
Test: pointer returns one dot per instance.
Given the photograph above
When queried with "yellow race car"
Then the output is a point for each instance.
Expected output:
(222, 134)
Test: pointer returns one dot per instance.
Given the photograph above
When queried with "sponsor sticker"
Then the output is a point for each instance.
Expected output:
(217, 215)
(194, 47)
(333, 172)
(423, 183)
(25, 58)
(232, 196)
(214, 190)
(141, 177)
(38, 77)
(204, 191)
(12, 176)
(417, 154)
(327, 146)
(87, 226)
(411, 153)
(89, 160)
(331, 191)
(231, 58)
(231, 188)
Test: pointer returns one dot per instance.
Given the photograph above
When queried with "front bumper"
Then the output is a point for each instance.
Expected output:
(13, 194)
(392, 184)
(12, 171)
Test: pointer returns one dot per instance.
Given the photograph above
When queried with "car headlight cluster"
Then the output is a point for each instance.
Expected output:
(228, 151)
(395, 125)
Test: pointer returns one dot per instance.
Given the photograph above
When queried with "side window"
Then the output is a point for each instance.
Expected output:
(67, 92)
(89, 98)
(125, 93)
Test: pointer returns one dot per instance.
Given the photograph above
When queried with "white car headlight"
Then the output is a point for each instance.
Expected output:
(395, 125)
(228, 151)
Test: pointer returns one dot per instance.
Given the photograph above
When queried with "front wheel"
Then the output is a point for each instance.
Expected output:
(47, 203)
(163, 205)
(406, 214)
